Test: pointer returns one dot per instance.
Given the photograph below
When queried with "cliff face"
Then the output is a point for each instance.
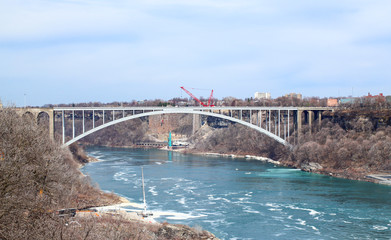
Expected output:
(349, 144)
(345, 145)
(346, 117)
(180, 126)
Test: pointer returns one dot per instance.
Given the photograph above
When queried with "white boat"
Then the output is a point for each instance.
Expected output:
(144, 213)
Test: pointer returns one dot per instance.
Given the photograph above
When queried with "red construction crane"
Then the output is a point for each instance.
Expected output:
(210, 100)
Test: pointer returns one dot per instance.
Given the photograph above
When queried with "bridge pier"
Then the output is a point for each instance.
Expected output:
(35, 113)
(51, 123)
(299, 120)
(320, 117)
(196, 122)
(310, 119)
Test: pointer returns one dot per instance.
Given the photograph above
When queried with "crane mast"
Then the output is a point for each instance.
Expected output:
(210, 100)
(199, 101)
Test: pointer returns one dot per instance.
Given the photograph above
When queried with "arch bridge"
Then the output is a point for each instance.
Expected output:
(276, 122)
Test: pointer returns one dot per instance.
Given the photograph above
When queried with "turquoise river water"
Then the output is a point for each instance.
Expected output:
(244, 199)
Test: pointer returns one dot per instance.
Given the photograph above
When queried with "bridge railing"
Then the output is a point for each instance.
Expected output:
(278, 122)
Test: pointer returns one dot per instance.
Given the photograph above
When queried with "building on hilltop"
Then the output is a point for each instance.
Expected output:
(259, 95)
(332, 102)
(294, 95)
(378, 98)
(348, 100)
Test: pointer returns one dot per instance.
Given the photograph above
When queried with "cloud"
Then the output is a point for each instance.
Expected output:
(236, 47)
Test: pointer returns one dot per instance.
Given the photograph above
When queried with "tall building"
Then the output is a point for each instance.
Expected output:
(332, 102)
(294, 95)
(259, 95)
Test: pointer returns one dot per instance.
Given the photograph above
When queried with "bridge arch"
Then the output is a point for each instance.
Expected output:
(161, 112)
(43, 118)
(28, 115)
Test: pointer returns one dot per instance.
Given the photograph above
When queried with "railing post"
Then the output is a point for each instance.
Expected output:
(63, 127)
(84, 128)
(270, 122)
(260, 118)
(266, 123)
(288, 123)
(284, 129)
(279, 122)
(93, 119)
(73, 123)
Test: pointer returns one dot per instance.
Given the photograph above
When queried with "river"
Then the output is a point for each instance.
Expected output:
(244, 199)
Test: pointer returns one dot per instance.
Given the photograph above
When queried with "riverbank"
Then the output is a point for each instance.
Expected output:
(225, 195)
(124, 211)
(351, 174)
(358, 174)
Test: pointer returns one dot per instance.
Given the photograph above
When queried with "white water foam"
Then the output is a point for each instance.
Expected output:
(119, 176)
(301, 222)
(152, 190)
(181, 201)
(358, 218)
(211, 197)
(175, 215)
(312, 212)
(379, 228)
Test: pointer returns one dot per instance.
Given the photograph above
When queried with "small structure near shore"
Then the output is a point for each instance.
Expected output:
(381, 178)
(151, 144)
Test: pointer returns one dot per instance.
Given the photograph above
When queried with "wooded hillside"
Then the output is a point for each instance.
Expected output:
(38, 178)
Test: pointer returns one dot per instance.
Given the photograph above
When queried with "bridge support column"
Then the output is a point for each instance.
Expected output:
(310, 119)
(196, 122)
(288, 124)
(299, 120)
(51, 123)
(320, 117)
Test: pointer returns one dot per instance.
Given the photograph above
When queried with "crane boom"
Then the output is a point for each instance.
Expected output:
(210, 100)
(194, 97)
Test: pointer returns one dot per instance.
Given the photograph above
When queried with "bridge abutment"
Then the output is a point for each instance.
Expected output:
(35, 113)
(196, 122)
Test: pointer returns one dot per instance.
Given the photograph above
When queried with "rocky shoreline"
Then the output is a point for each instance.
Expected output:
(353, 174)
(116, 210)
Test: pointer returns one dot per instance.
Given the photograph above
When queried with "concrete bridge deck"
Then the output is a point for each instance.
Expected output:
(275, 122)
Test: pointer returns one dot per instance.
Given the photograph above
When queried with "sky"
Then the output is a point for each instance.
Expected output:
(72, 51)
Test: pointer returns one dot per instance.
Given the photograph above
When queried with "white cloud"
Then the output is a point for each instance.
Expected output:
(275, 45)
